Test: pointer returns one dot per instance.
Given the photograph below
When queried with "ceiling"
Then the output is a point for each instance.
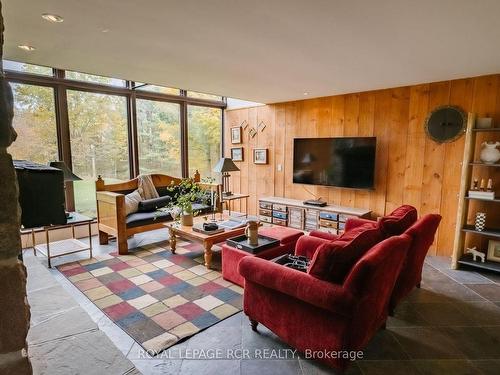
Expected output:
(265, 51)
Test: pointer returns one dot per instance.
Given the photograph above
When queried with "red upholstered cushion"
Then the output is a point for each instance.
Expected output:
(333, 261)
(398, 220)
(284, 234)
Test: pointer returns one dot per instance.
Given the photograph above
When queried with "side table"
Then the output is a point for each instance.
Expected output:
(235, 196)
(64, 247)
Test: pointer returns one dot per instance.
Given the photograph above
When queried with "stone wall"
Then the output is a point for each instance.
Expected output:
(14, 308)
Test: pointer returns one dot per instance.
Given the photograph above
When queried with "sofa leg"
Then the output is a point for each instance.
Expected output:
(418, 285)
(103, 238)
(391, 312)
(384, 325)
(254, 324)
(122, 247)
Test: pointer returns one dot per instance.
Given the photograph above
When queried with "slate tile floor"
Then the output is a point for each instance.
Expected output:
(449, 326)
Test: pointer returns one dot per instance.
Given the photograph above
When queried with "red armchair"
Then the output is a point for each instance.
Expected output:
(314, 315)
(422, 234)
(392, 224)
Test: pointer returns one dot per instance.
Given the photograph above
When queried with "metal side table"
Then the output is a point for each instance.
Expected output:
(64, 247)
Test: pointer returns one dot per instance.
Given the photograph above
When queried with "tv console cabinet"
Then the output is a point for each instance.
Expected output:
(294, 213)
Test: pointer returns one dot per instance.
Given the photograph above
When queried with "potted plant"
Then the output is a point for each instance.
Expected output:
(184, 195)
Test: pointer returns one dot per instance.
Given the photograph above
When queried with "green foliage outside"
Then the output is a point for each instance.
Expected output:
(99, 139)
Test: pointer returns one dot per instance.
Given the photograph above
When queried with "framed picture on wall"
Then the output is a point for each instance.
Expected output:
(236, 135)
(237, 153)
(260, 155)
(494, 251)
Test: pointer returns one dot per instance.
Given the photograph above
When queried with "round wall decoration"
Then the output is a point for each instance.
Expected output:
(446, 124)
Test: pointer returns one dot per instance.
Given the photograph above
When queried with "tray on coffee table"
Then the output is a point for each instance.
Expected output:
(241, 243)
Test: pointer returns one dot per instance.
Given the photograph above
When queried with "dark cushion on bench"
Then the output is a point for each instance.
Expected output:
(150, 205)
(144, 218)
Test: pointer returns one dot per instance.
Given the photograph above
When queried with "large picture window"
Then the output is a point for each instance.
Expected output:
(35, 124)
(159, 137)
(111, 127)
(99, 143)
(204, 139)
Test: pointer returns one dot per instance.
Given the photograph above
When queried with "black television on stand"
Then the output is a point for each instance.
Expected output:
(346, 162)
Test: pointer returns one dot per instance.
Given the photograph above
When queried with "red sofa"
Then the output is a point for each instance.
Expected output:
(320, 318)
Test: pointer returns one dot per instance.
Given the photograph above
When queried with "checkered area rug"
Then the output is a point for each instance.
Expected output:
(156, 297)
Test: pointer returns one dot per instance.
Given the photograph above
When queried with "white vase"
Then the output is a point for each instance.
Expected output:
(489, 152)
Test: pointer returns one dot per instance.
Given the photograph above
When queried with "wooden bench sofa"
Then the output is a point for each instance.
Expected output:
(112, 219)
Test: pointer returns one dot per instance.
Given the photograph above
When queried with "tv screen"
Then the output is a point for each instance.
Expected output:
(343, 162)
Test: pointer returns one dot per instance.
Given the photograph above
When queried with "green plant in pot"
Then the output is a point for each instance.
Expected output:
(184, 196)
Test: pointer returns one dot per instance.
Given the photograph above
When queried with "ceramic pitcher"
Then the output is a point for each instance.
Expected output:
(490, 153)
(252, 233)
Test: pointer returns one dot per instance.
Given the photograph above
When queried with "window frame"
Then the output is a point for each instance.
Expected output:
(61, 84)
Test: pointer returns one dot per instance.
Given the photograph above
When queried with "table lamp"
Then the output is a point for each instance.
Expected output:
(68, 175)
(224, 166)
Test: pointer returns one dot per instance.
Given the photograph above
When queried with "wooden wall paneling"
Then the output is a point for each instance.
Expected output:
(279, 149)
(264, 174)
(366, 119)
(351, 123)
(251, 180)
(461, 96)
(415, 145)
(337, 130)
(410, 168)
(232, 118)
(291, 119)
(383, 101)
(432, 181)
(324, 130)
(307, 127)
(240, 185)
(397, 138)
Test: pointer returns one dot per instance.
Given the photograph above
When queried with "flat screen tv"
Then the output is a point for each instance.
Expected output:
(347, 162)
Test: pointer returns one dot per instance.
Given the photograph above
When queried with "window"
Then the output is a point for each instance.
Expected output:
(204, 139)
(99, 143)
(155, 88)
(94, 79)
(35, 124)
(159, 139)
(27, 68)
(200, 95)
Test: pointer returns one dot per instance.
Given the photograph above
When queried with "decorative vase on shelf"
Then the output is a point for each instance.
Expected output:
(480, 222)
(490, 153)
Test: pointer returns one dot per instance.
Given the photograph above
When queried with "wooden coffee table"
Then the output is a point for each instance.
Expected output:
(207, 240)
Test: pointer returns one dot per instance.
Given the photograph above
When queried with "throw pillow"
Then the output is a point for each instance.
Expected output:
(333, 261)
(398, 220)
(151, 205)
(132, 201)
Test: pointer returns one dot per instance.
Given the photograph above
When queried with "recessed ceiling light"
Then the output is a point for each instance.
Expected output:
(52, 18)
(306, 93)
(25, 47)
(105, 31)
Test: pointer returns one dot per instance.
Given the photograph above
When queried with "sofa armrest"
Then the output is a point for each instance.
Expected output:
(324, 235)
(354, 222)
(297, 284)
(111, 212)
(307, 245)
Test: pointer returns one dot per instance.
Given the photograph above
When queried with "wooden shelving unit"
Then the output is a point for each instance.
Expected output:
(462, 228)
